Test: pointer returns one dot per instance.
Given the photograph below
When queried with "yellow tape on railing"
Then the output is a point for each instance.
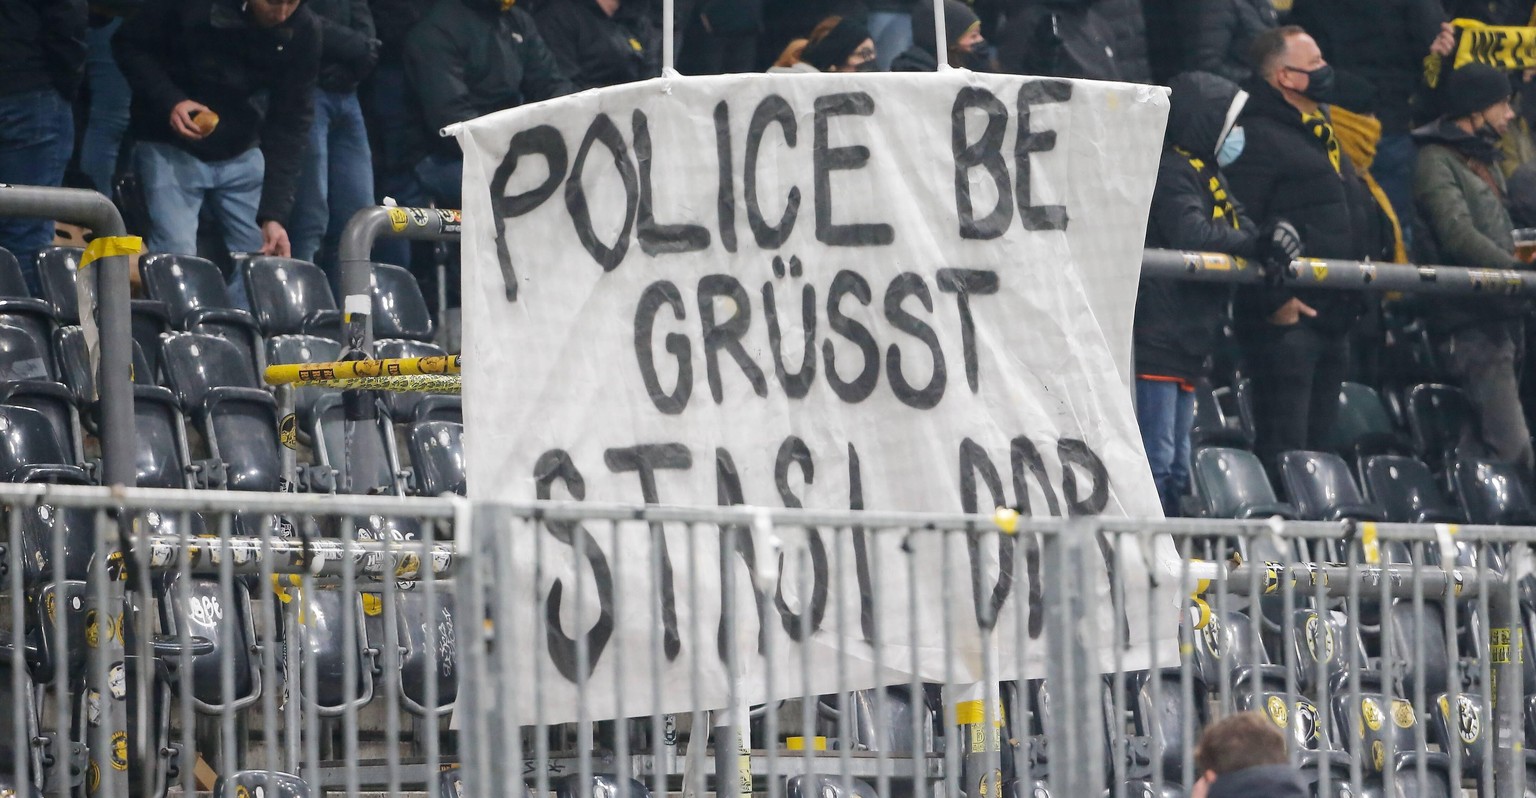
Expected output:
(310, 373)
(1371, 545)
(111, 246)
(411, 383)
(974, 712)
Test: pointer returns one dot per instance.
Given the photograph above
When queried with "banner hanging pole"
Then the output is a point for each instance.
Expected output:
(668, 36)
(940, 37)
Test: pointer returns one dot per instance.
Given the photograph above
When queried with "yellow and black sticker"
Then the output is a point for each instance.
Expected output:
(288, 431)
(1403, 714)
(93, 778)
(1278, 711)
(1498, 645)
(119, 750)
(1371, 712)
(1319, 270)
(241, 791)
(373, 606)
(397, 219)
(1378, 755)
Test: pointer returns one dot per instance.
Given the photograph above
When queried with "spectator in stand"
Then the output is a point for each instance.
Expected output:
(722, 38)
(1493, 12)
(42, 58)
(1292, 168)
(337, 180)
(836, 45)
(468, 58)
(390, 116)
(890, 27)
(107, 117)
(1384, 42)
(601, 42)
(1062, 38)
(1244, 756)
(1224, 32)
(965, 48)
(1177, 321)
(1460, 192)
(1128, 24)
(223, 99)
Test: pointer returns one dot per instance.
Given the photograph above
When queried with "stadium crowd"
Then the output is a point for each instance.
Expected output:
(1298, 128)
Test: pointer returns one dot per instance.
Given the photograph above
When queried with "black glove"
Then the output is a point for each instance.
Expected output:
(1279, 244)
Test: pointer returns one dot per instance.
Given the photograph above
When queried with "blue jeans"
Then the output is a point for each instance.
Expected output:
(1166, 412)
(1393, 170)
(108, 119)
(177, 183)
(37, 135)
(892, 32)
(337, 181)
(442, 178)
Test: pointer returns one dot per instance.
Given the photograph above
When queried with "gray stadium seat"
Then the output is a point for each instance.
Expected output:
(1438, 416)
(419, 656)
(437, 457)
(325, 646)
(260, 784)
(402, 405)
(291, 297)
(198, 606)
(197, 300)
(819, 785)
(399, 309)
(1406, 489)
(1492, 493)
(237, 419)
(1321, 488)
(1232, 484)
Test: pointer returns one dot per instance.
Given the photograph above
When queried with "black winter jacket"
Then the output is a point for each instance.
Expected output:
(1492, 12)
(594, 49)
(42, 45)
(1177, 321)
(1266, 781)
(260, 81)
(348, 46)
(1060, 38)
(1129, 24)
(1382, 41)
(393, 20)
(915, 59)
(1224, 31)
(468, 58)
(1284, 174)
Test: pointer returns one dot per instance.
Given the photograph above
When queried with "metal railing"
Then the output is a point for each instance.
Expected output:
(739, 649)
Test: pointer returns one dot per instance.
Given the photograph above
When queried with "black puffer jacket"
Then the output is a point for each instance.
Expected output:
(394, 20)
(349, 48)
(468, 58)
(1382, 41)
(1177, 321)
(1266, 781)
(1060, 38)
(1284, 174)
(594, 49)
(1224, 32)
(42, 45)
(1492, 12)
(1129, 23)
(260, 81)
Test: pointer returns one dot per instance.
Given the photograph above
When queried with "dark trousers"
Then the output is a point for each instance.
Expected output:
(1297, 373)
(1486, 364)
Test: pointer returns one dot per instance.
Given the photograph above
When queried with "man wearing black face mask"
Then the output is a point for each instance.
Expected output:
(1461, 194)
(1292, 169)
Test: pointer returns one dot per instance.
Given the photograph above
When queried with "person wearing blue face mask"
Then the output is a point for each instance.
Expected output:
(1178, 322)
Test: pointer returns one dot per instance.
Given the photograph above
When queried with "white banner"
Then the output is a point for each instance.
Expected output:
(894, 291)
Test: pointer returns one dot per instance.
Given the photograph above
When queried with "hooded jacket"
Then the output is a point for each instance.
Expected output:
(42, 45)
(923, 55)
(1128, 23)
(594, 49)
(1062, 38)
(1177, 321)
(349, 48)
(260, 81)
(1467, 217)
(1285, 174)
(468, 58)
(1224, 31)
(1382, 41)
(1265, 781)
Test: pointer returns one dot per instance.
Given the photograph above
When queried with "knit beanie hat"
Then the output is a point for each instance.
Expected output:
(958, 18)
(1471, 89)
(834, 48)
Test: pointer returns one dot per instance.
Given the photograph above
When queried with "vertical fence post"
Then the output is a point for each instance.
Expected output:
(1506, 653)
(1076, 723)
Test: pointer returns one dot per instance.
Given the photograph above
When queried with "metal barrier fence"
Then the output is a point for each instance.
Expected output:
(738, 650)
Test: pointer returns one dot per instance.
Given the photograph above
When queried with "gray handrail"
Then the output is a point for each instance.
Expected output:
(113, 314)
(1345, 275)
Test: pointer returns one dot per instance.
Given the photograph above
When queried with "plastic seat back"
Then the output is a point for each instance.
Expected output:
(1295, 716)
(1213, 426)
(1406, 490)
(197, 363)
(261, 784)
(30, 450)
(437, 457)
(402, 404)
(184, 283)
(427, 645)
(1461, 722)
(818, 785)
(329, 432)
(12, 283)
(1225, 644)
(290, 349)
(1381, 725)
(160, 458)
(399, 309)
(603, 785)
(22, 357)
(56, 269)
(1362, 416)
(1323, 641)
(288, 296)
(1321, 488)
(1492, 493)
(325, 644)
(199, 606)
(1232, 483)
(1159, 714)
(1417, 639)
(1438, 415)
